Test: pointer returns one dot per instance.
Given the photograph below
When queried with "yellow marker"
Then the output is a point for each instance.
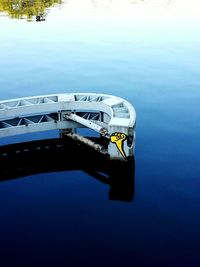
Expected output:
(118, 139)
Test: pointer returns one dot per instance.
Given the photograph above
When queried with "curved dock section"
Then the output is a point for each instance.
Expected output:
(112, 117)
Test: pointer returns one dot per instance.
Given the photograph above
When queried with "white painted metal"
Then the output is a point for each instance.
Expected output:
(88, 123)
(60, 111)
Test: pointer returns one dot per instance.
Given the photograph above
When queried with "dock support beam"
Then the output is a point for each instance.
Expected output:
(87, 123)
(88, 142)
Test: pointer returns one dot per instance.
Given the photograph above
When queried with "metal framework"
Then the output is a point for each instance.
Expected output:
(110, 116)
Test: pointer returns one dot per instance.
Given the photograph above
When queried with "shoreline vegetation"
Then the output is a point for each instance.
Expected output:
(27, 9)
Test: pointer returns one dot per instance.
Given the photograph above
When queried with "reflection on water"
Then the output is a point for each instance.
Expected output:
(20, 9)
(55, 155)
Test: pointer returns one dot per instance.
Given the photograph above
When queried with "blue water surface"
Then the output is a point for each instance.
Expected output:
(148, 53)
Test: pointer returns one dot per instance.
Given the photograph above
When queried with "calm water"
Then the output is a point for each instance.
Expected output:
(147, 52)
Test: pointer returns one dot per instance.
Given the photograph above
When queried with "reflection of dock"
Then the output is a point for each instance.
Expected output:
(55, 155)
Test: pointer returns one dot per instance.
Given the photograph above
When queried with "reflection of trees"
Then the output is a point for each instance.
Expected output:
(26, 8)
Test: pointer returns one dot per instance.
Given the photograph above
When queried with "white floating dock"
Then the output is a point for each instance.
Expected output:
(112, 117)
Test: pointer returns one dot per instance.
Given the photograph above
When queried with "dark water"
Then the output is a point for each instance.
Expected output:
(59, 215)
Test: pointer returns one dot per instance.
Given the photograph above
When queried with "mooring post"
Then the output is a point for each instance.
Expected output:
(122, 142)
